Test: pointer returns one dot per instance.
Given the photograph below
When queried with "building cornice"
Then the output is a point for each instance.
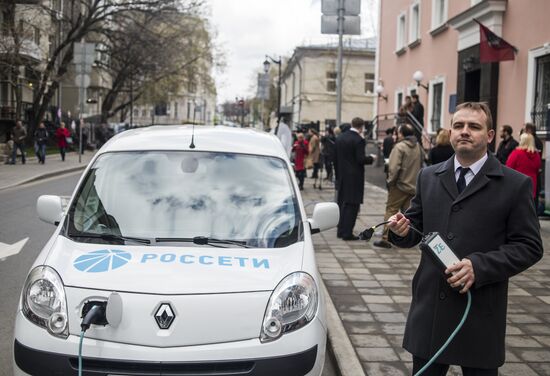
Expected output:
(488, 12)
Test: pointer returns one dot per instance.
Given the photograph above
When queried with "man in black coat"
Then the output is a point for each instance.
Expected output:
(491, 226)
(507, 145)
(350, 160)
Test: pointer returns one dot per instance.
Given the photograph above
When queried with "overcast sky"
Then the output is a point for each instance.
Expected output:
(247, 30)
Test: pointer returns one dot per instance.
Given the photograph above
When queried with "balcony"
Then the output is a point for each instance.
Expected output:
(27, 49)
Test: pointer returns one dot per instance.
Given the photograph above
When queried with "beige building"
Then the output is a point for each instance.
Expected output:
(309, 83)
(439, 40)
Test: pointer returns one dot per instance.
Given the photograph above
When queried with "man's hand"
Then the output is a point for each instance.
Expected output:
(399, 224)
(463, 275)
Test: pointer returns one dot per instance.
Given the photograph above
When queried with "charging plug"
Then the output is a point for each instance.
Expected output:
(93, 313)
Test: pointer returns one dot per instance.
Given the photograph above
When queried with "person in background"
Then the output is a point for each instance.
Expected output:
(405, 161)
(283, 133)
(350, 160)
(443, 149)
(388, 142)
(314, 152)
(530, 128)
(18, 135)
(526, 159)
(328, 141)
(507, 145)
(418, 109)
(61, 135)
(40, 141)
(301, 151)
(404, 110)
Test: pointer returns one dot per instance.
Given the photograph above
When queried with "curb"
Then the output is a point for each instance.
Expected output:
(45, 176)
(346, 358)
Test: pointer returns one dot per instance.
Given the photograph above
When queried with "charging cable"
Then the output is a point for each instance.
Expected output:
(453, 334)
(93, 316)
(367, 235)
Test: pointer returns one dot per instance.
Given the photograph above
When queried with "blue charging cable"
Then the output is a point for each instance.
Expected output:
(80, 353)
(453, 334)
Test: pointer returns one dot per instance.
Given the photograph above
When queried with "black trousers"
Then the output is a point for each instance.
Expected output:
(300, 175)
(437, 369)
(348, 216)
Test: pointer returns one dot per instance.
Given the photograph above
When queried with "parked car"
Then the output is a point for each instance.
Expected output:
(185, 254)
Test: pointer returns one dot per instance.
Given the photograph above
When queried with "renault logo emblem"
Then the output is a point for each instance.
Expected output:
(165, 316)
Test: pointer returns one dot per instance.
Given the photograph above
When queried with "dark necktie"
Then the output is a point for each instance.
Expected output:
(461, 182)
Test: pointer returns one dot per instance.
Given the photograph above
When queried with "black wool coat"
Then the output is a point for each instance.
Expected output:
(350, 160)
(493, 223)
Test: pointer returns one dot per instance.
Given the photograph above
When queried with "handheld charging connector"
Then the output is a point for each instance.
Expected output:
(443, 255)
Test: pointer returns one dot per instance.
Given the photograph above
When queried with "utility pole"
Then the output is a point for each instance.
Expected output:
(339, 63)
(340, 17)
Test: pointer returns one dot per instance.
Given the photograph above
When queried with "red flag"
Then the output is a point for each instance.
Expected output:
(493, 48)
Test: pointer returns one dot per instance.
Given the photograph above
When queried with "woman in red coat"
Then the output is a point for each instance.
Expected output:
(300, 149)
(61, 135)
(526, 159)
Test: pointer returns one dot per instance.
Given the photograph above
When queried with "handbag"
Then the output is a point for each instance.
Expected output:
(69, 140)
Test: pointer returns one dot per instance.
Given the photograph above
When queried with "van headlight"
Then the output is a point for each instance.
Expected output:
(291, 306)
(43, 301)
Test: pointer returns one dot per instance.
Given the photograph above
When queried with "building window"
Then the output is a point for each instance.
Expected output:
(435, 112)
(398, 100)
(401, 31)
(175, 110)
(36, 35)
(542, 92)
(414, 31)
(331, 82)
(369, 83)
(330, 123)
(439, 12)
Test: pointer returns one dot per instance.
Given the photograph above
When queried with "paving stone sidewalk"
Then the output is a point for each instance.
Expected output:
(13, 175)
(371, 289)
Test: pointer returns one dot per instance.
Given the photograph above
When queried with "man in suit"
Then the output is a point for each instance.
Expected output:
(485, 212)
(350, 161)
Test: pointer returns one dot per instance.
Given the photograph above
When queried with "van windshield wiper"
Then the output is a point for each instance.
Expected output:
(104, 236)
(204, 240)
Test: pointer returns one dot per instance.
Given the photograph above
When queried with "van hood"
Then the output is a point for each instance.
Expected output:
(172, 270)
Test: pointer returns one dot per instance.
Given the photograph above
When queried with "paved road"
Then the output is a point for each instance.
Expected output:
(19, 220)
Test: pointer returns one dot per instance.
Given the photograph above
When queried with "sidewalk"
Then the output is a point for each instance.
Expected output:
(14, 175)
(371, 290)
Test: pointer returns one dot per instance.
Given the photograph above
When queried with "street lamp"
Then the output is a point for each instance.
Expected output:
(419, 76)
(266, 69)
(379, 90)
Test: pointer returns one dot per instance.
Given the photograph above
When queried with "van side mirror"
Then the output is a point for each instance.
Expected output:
(325, 216)
(50, 209)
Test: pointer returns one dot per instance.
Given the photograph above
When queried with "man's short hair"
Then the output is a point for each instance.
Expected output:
(390, 131)
(508, 129)
(406, 130)
(357, 123)
(478, 107)
(415, 96)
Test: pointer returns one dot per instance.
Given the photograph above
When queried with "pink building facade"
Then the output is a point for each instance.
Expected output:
(440, 39)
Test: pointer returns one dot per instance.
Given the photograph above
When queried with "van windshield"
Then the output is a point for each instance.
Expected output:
(171, 195)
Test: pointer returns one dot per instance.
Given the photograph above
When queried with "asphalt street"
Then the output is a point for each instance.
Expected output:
(18, 221)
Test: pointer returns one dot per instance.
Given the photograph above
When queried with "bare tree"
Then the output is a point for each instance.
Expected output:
(80, 19)
(156, 54)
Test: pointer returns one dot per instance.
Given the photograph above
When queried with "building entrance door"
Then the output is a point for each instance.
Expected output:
(471, 86)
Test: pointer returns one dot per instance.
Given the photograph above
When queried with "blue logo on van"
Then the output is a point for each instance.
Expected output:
(102, 260)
